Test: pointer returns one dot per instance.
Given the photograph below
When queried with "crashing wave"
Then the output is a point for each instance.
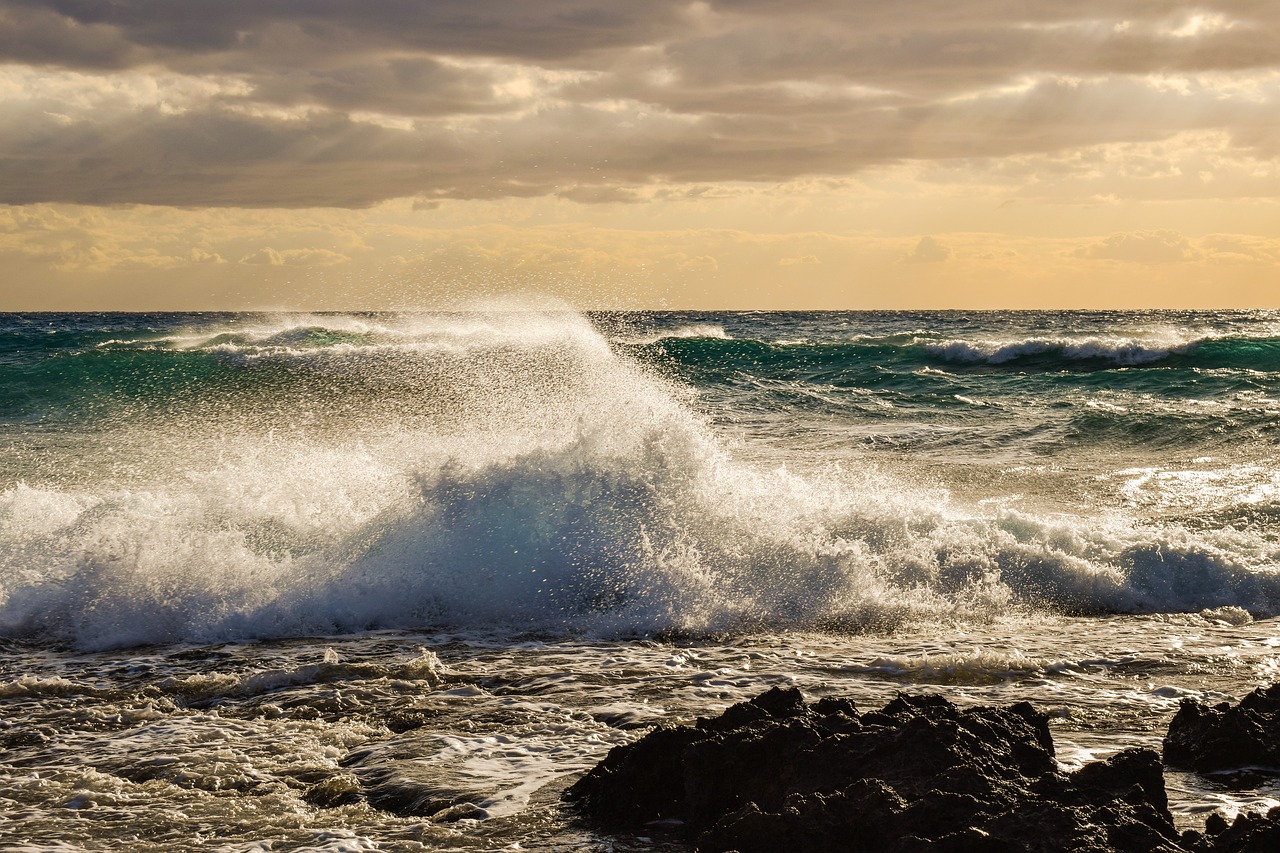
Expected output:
(512, 470)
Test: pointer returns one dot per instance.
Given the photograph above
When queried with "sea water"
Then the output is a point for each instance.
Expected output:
(393, 581)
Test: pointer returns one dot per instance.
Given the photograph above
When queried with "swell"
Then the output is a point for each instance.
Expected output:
(1261, 354)
(59, 372)
(1033, 353)
(1042, 397)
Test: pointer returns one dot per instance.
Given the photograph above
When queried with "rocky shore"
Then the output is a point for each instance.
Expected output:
(779, 773)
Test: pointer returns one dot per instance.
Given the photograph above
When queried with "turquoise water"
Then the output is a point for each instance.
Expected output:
(524, 534)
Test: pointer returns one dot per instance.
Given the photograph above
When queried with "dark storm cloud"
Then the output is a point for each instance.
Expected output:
(547, 29)
(732, 40)
(330, 102)
(417, 86)
(931, 62)
(44, 37)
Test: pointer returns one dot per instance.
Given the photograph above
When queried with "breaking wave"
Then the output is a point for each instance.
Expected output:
(1125, 351)
(691, 330)
(509, 470)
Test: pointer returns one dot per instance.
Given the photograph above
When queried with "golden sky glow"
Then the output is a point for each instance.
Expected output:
(157, 154)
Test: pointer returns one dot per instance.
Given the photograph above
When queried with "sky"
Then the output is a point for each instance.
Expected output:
(719, 154)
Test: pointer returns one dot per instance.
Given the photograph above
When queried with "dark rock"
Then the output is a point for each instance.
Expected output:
(1225, 737)
(1249, 833)
(1120, 774)
(639, 783)
(775, 704)
(776, 773)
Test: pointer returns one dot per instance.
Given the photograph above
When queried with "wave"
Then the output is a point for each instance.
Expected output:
(1127, 351)
(972, 668)
(1205, 351)
(1183, 349)
(685, 331)
(297, 355)
(207, 687)
(514, 471)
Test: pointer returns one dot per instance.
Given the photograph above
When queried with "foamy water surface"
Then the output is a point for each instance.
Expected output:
(393, 581)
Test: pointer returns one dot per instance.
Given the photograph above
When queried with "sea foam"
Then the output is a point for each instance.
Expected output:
(510, 470)
(1123, 350)
(688, 330)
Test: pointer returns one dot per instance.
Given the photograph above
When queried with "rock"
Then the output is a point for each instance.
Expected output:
(776, 773)
(640, 783)
(1249, 833)
(1226, 737)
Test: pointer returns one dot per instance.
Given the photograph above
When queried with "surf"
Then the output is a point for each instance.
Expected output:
(510, 468)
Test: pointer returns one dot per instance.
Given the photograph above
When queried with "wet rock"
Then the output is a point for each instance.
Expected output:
(1224, 736)
(777, 773)
(1249, 833)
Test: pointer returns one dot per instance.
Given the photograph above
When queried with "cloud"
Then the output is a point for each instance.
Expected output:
(699, 263)
(928, 251)
(298, 104)
(45, 36)
(201, 256)
(299, 30)
(268, 256)
(264, 257)
(1237, 248)
(1141, 247)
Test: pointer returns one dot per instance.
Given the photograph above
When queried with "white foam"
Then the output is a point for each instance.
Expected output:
(426, 668)
(508, 469)
(980, 666)
(689, 330)
(1127, 350)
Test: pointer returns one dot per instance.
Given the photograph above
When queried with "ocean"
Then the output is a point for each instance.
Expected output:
(392, 581)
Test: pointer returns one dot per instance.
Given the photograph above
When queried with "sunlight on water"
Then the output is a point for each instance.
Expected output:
(574, 527)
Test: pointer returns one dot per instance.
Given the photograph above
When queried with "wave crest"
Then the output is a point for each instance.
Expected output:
(528, 477)
(683, 331)
(1123, 351)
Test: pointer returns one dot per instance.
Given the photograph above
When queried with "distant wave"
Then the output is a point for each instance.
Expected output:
(691, 330)
(1183, 350)
(916, 351)
(428, 350)
(1115, 350)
